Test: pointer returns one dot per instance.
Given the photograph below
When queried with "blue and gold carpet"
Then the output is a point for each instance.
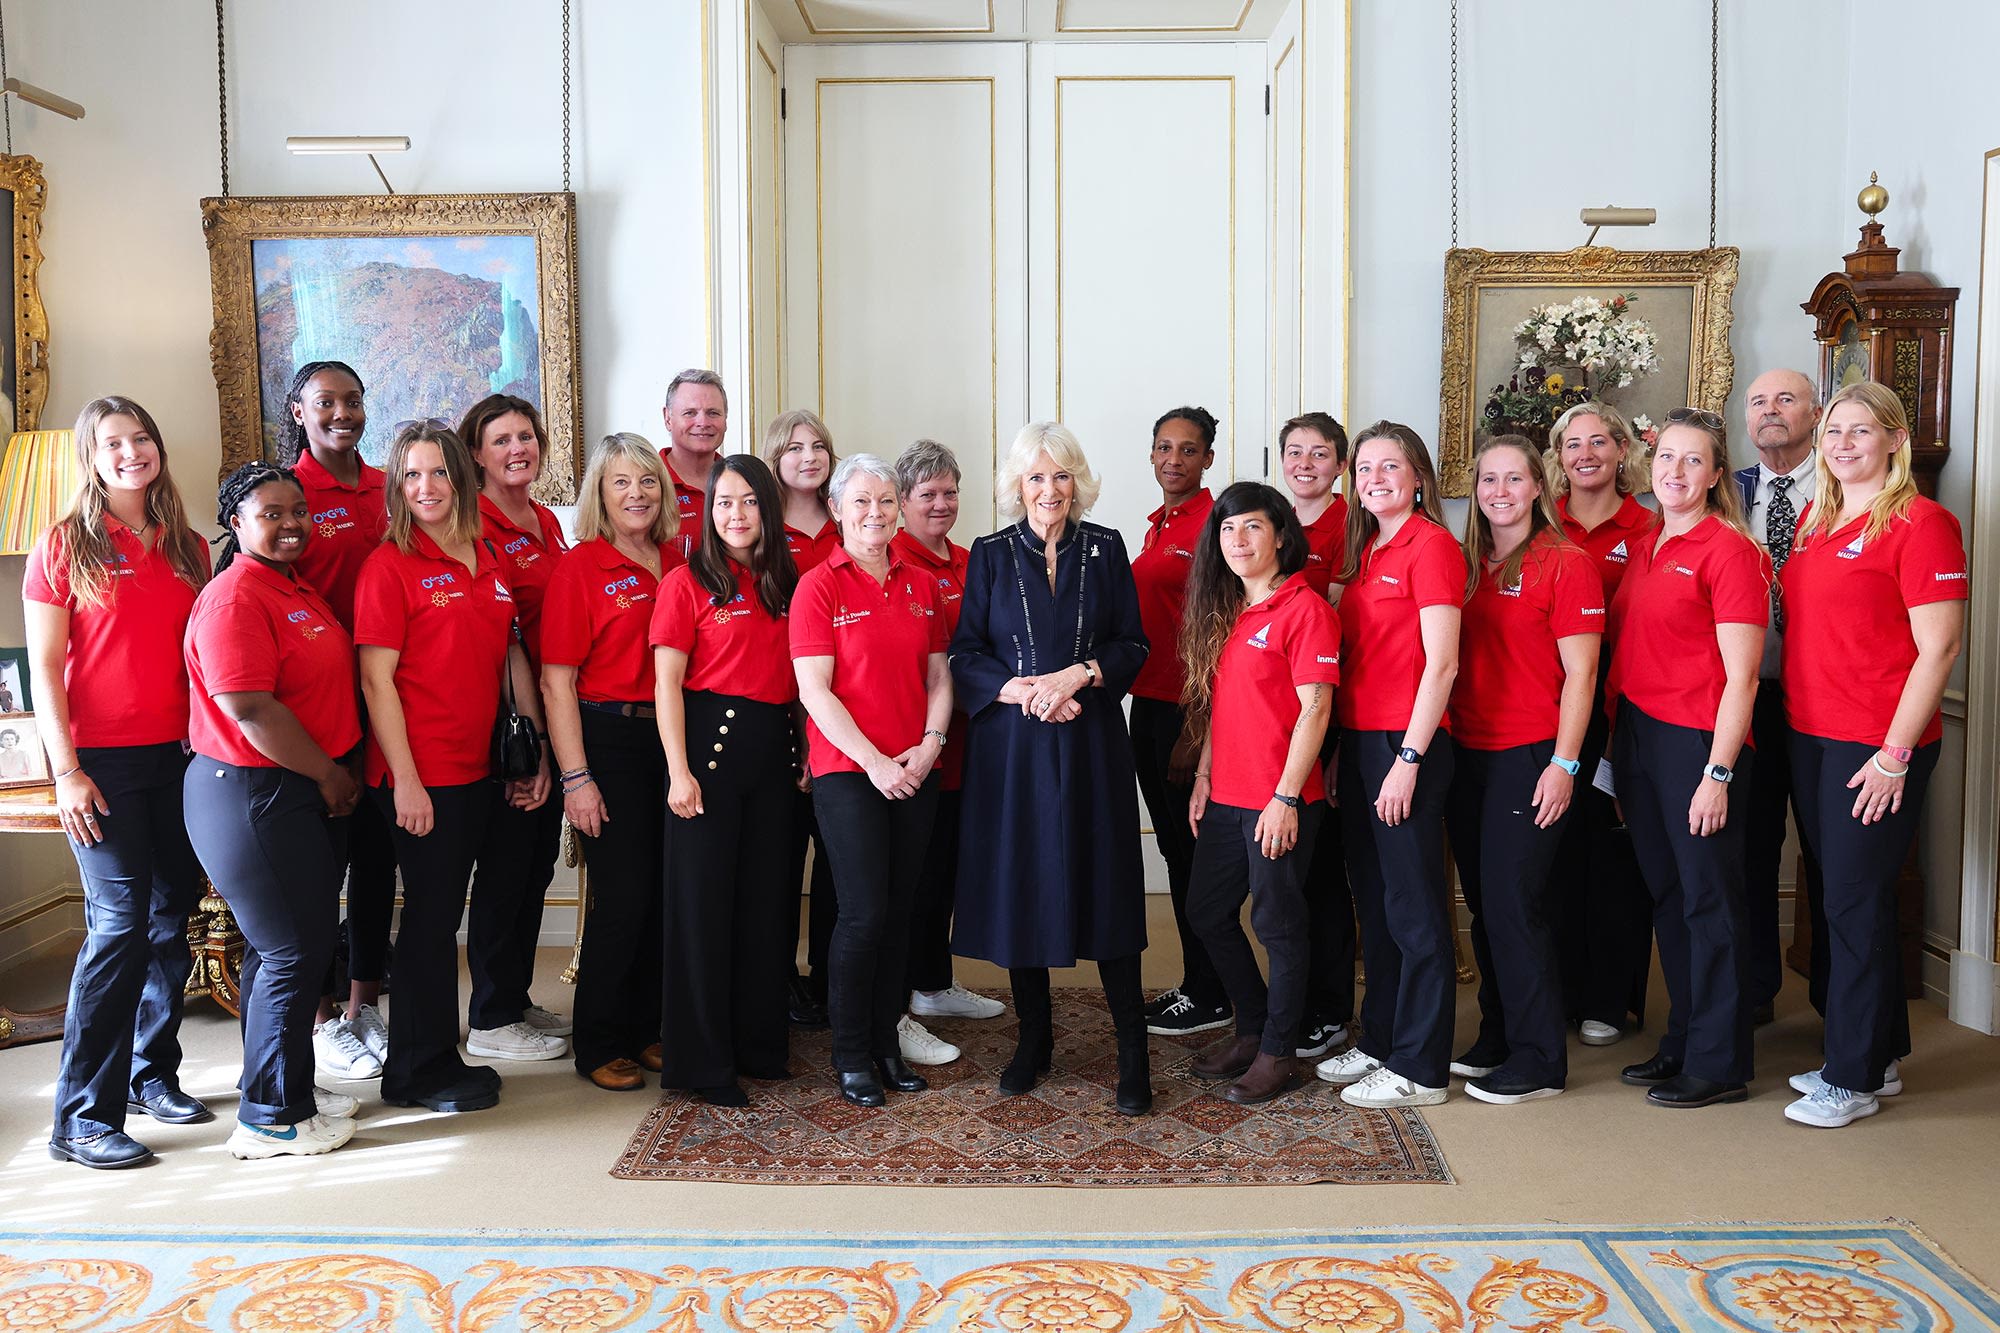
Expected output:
(1861, 1278)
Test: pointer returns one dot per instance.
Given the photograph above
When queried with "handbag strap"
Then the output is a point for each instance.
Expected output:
(506, 667)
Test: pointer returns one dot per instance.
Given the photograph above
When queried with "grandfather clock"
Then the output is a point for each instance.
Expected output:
(1873, 322)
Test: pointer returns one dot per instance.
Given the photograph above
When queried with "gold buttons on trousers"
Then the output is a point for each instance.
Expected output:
(711, 763)
(728, 712)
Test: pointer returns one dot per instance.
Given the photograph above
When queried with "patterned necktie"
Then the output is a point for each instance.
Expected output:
(1780, 522)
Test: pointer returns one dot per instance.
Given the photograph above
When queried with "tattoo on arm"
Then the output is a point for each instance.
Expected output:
(1311, 708)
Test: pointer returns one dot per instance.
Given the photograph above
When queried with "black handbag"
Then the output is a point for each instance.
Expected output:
(516, 750)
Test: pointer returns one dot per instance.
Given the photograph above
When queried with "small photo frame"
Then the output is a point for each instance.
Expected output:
(15, 695)
(23, 761)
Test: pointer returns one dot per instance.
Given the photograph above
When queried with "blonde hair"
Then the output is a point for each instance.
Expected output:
(1054, 439)
(1479, 529)
(1725, 497)
(1899, 490)
(465, 524)
(779, 434)
(1361, 525)
(593, 519)
(84, 539)
(1615, 425)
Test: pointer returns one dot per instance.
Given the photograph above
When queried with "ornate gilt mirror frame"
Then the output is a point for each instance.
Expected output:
(27, 388)
(368, 295)
(1486, 292)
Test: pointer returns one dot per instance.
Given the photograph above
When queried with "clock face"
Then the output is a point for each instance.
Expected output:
(1850, 358)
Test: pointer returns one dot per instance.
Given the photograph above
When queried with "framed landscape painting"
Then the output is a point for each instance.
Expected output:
(1646, 331)
(436, 300)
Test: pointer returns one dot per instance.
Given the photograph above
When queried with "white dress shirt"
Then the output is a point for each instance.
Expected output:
(1804, 478)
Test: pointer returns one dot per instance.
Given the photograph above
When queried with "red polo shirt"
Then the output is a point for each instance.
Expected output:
(1326, 546)
(733, 647)
(688, 501)
(1161, 572)
(1510, 672)
(528, 559)
(257, 630)
(948, 576)
(451, 629)
(880, 637)
(595, 617)
(126, 681)
(1381, 639)
(1611, 543)
(1292, 638)
(809, 552)
(348, 523)
(1664, 655)
(1848, 648)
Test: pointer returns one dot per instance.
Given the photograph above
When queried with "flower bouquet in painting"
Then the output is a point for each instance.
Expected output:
(1570, 352)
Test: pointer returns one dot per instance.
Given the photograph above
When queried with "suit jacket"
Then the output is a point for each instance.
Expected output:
(1747, 479)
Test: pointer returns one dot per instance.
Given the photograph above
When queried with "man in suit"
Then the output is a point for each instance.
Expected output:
(1781, 410)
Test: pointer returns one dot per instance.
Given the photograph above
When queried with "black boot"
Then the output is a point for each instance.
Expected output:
(1128, 1018)
(1033, 1049)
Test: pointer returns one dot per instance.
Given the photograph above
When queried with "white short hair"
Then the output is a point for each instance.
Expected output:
(849, 467)
(1054, 439)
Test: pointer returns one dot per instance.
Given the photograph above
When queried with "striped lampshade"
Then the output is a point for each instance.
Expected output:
(37, 481)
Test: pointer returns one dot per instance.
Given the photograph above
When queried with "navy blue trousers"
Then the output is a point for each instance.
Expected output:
(1228, 867)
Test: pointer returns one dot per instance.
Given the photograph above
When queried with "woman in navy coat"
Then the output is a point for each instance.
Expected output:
(1047, 645)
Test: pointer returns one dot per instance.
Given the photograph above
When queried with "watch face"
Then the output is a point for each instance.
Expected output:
(1850, 358)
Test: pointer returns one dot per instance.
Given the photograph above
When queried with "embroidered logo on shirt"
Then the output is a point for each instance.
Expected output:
(1680, 569)
(1391, 579)
(1947, 578)
(326, 520)
(500, 592)
(514, 547)
(1617, 553)
(1593, 610)
(1180, 551)
(1852, 550)
(1262, 638)
(1324, 660)
(844, 617)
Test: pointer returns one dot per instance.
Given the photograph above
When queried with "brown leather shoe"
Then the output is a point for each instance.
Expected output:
(618, 1076)
(651, 1057)
(1269, 1076)
(1226, 1059)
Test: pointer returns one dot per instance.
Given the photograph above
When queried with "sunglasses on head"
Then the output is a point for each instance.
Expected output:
(435, 423)
(1702, 417)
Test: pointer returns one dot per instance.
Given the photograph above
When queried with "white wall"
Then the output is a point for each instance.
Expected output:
(126, 279)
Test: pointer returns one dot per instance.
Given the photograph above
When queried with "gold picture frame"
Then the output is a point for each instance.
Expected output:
(1487, 292)
(24, 376)
(507, 261)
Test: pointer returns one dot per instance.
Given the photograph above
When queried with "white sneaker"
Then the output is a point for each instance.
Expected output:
(955, 1001)
(919, 1047)
(1828, 1107)
(542, 1020)
(373, 1031)
(1386, 1088)
(1350, 1066)
(308, 1137)
(516, 1041)
(1892, 1081)
(337, 1105)
(1594, 1033)
(338, 1050)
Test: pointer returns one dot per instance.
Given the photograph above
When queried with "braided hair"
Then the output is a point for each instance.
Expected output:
(292, 443)
(239, 486)
(1199, 417)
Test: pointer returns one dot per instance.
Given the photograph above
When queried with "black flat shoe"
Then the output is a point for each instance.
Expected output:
(860, 1088)
(723, 1094)
(803, 1009)
(112, 1150)
(897, 1074)
(172, 1107)
(1652, 1072)
(467, 1095)
(1686, 1092)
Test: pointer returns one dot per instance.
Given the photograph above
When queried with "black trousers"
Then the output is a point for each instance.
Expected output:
(269, 849)
(823, 902)
(728, 934)
(504, 924)
(1329, 915)
(1503, 862)
(1867, 1018)
(121, 1031)
(423, 1021)
(877, 847)
(1228, 867)
(929, 968)
(1604, 912)
(371, 892)
(1700, 914)
(1404, 902)
(617, 1013)
(1772, 787)
(1156, 726)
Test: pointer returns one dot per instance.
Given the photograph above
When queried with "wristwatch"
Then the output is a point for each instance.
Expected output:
(1898, 753)
(1569, 766)
(1718, 772)
(1409, 756)
(933, 731)
(1292, 801)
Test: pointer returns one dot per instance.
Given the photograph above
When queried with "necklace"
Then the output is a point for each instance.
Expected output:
(1028, 663)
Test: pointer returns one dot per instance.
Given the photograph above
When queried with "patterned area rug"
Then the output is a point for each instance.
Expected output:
(1770, 1279)
(1065, 1132)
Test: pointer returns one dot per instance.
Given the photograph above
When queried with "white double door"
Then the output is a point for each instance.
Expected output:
(980, 235)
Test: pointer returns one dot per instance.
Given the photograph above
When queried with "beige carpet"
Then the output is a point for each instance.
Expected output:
(1596, 1155)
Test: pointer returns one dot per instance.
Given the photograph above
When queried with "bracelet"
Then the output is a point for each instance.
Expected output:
(933, 731)
(1089, 675)
(1877, 763)
(574, 773)
(1201, 772)
(78, 768)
